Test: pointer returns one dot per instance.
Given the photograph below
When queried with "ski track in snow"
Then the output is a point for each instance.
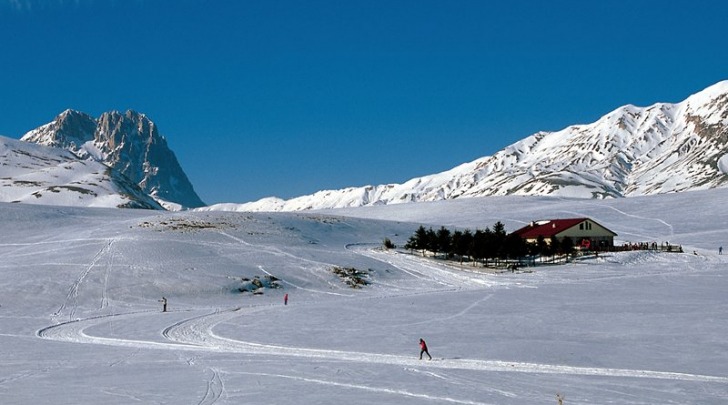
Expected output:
(215, 389)
(279, 252)
(196, 334)
(273, 250)
(422, 270)
(104, 296)
(367, 388)
(261, 268)
(628, 215)
(72, 295)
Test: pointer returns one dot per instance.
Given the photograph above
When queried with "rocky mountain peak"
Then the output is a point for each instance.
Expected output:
(128, 142)
(69, 130)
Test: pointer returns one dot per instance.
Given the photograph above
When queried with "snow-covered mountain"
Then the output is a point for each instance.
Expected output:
(631, 151)
(37, 174)
(129, 143)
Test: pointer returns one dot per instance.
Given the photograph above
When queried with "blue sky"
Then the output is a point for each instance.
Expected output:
(285, 98)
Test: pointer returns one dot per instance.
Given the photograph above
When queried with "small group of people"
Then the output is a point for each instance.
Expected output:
(423, 344)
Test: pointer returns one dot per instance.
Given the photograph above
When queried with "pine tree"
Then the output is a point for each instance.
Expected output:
(515, 246)
(466, 243)
(567, 246)
(477, 250)
(418, 241)
(444, 240)
(432, 242)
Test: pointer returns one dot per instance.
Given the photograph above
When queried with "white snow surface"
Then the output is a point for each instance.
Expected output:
(81, 321)
(37, 174)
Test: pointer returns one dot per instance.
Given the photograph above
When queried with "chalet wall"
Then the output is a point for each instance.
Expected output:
(597, 234)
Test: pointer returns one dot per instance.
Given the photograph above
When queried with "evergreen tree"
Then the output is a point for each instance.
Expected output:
(490, 245)
(554, 246)
(418, 241)
(411, 243)
(567, 246)
(461, 242)
(444, 240)
(457, 237)
(541, 246)
(515, 246)
(432, 242)
(466, 243)
(477, 250)
(498, 240)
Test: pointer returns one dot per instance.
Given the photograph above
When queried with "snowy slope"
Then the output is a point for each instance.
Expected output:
(130, 143)
(82, 323)
(36, 174)
(631, 151)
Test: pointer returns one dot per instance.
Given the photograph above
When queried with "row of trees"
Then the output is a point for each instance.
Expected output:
(484, 245)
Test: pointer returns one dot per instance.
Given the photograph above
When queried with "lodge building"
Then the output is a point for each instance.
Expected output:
(585, 233)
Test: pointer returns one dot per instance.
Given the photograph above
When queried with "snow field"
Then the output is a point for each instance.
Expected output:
(81, 321)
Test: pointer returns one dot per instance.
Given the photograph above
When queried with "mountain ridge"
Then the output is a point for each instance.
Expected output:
(631, 151)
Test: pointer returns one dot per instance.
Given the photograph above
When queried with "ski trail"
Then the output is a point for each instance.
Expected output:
(368, 388)
(109, 266)
(274, 250)
(459, 314)
(196, 334)
(198, 330)
(471, 306)
(628, 215)
(72, 295)
(261, 268)
(124, 359)
(431, 271)
(215, 389)
(416, 275)
(13, 378)
(279, 252)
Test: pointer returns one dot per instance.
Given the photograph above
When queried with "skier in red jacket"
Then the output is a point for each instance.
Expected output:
(423, 349)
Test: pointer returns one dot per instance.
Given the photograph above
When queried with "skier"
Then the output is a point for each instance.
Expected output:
(720, 250)
(285, 299)
(164, 304)
(423, 349)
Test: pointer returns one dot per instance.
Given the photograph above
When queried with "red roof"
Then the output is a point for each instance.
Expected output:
(547, 228)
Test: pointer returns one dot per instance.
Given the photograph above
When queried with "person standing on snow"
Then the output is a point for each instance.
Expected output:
(423, 349)
(285, 299)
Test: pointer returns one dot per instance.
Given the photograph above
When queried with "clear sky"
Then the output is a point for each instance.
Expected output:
(285, 98)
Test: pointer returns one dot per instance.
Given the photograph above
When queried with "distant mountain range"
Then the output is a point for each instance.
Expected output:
(631, 151)
(130, 144)
(121, 160)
